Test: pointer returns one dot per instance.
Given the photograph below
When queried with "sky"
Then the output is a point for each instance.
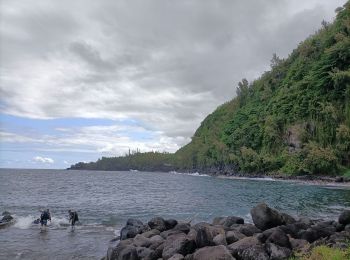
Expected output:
(84, 79)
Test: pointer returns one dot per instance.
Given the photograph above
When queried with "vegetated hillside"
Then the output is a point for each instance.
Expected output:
(150, 161)
(293, 119)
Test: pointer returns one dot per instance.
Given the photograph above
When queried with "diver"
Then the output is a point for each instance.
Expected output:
(44, 217)
(73, 217)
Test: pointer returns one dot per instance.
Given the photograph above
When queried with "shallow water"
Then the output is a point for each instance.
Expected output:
(105, 200)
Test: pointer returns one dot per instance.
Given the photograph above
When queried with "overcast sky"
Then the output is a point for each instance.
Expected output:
(85, 79)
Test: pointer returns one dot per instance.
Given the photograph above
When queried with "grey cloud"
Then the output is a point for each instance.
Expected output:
(165, 63)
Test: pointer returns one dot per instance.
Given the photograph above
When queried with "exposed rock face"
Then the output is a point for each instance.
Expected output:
(274, 236)
(265, 217)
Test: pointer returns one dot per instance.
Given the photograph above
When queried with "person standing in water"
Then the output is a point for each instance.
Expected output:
(44, 217)
(73, 217)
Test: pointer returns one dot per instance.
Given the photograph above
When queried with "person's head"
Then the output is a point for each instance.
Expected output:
(69, 211)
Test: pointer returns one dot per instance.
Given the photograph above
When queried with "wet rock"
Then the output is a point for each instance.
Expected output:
(265, 217)
(177, 244)
(233, 236)
(212, 253)
(170, 223)
(344, 217)
(157, 223)
(248, 230)
(277, 252)
(220, 240)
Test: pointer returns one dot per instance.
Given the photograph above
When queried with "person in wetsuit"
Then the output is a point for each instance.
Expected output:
(73, 217)
(44, 217)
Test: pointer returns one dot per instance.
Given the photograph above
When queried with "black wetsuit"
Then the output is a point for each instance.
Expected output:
(45, 216)
(73, 217)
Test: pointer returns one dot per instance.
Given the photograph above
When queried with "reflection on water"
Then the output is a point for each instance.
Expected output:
(105, 200)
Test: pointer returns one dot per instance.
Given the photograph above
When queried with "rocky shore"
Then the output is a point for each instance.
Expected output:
(273, 235)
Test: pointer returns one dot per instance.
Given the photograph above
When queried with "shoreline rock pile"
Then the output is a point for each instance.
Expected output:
(273, 235)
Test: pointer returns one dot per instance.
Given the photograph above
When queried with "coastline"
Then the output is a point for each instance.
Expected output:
(317, 182)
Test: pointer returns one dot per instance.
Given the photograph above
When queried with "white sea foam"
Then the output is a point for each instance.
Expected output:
(27, 221)
(24, 222)
(190, 173)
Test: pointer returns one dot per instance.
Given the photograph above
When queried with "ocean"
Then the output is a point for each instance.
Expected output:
(105, 200)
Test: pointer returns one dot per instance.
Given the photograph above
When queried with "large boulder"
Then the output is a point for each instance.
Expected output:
(120, 252)
(238, 247)
(141, 241)
(265, 217)
(204, 237)
(344, 217)
(157, 223)
(177, 244)
(145, 253)
(299, 245)
(248, 229)
(132, 228)
(151, 233)
(220, 240)
(170, 223)
(233, 236)
(183, 227)
(287, 219)
(212, 253)
(254, 252)
(278, 237)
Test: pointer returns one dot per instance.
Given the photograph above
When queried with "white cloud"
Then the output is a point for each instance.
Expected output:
(43, 159)
(166, 64)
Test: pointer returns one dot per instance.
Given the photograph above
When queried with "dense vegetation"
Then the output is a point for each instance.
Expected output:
(294, 119)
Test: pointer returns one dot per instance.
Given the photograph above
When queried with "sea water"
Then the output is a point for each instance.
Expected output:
(105, 200)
